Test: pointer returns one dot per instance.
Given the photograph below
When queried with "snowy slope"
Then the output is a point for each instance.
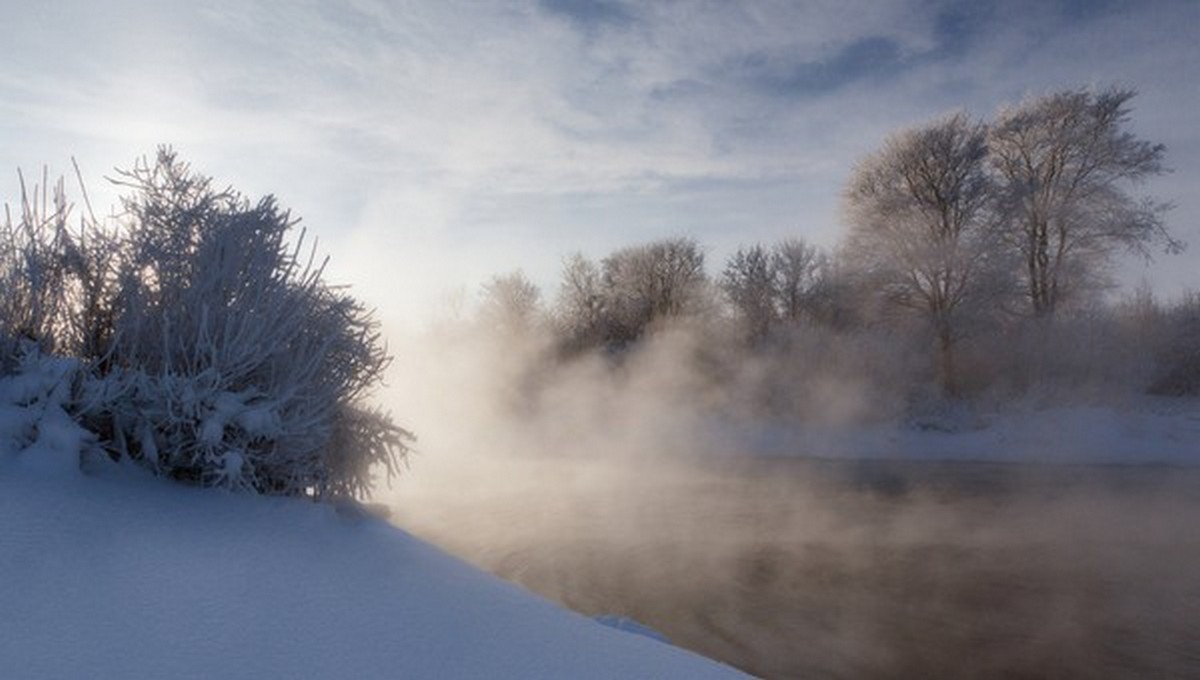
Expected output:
(114, 575)
(1155, 431)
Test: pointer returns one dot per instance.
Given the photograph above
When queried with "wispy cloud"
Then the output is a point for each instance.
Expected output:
(432, 143)
(589, 15)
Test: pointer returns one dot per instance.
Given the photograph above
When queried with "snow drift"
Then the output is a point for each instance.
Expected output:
(113, 574)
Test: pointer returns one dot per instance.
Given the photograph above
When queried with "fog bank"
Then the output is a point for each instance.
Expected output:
(653, 485)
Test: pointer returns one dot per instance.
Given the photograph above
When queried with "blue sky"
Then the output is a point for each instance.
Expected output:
(431, 144)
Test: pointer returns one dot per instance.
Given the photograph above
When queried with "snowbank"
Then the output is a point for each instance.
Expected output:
(1152, 431)
(116, 575)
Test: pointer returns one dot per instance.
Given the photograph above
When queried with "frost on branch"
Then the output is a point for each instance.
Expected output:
(230, 361)
(35, 246)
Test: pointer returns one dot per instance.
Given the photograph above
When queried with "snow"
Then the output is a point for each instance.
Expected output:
(632, 626)
(106, 572)
(1162, 431)
(115, 574)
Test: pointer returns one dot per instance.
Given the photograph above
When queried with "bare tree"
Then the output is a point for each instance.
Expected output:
(1178, 357)
(749, 283)
(511, 304)
(800, 276)
(768, 287)
(920, 225)
(643, 284)
(579, 312)
(1064, 160)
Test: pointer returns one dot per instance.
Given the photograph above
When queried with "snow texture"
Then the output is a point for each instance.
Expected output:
(117, 575)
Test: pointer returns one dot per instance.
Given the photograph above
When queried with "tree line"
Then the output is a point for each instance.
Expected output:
(956, 230)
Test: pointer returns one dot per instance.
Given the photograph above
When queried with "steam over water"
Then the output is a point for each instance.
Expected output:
(796, 569)
(623, 491)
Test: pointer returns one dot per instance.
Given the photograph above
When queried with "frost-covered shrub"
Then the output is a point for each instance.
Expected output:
(34, 260)
(35, 393)
(57, 283)
(221, 356)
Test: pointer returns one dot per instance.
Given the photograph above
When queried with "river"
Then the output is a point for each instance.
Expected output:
(793, 568)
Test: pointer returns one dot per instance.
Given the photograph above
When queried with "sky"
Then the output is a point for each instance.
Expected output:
(432, 144)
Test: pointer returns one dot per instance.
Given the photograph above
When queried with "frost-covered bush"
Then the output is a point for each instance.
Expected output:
(230, 360)
(56, 282)
(33, 269)
(210, 348)
(35, 393)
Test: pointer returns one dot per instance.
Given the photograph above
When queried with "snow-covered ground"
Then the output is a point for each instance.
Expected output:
(111, 574)
(1146, 431)
(105, 572)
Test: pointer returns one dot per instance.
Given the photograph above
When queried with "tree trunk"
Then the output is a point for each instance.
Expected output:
(947, 371)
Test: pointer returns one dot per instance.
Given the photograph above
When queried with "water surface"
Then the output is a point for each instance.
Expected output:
(793, 568)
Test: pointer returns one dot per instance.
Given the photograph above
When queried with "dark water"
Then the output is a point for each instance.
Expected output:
(821, 569)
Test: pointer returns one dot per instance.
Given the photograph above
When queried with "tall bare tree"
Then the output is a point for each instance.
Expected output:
(782, 284)
(800, 279)
(1065, 160)
(511, 304)
(579, 309)
(748, 281)
(643, 284)
(920, 225)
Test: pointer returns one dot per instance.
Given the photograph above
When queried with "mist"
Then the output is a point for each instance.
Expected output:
(943, 448)
(703, 496)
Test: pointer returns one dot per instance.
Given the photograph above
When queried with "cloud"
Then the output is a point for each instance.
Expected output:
(442, 129)
(589, 14)
(874, 58)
